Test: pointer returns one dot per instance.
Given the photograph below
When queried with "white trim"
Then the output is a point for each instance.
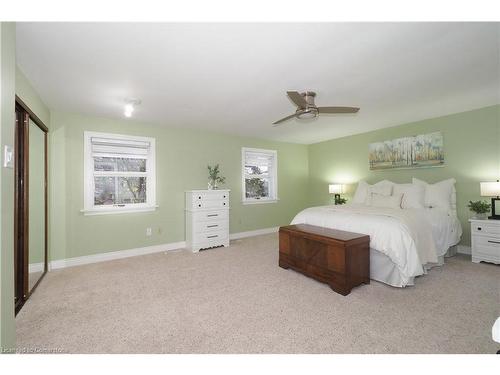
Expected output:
(274, 188)
(462, 249)
(252, 233)
(118, 210)
(35, 267)
(103, 257)
(260, 201)
(88, 175)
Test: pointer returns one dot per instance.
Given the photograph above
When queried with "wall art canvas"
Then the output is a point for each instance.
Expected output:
(420, 151)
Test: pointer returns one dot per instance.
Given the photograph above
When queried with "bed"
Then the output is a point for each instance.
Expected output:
(404, 243)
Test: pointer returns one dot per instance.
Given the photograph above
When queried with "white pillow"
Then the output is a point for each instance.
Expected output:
(384, 201)
(438, 195)
(383, 187)
(361, 193)
(364, 191)
(413, 195)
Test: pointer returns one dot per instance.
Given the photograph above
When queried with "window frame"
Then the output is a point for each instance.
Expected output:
(88, 179)
(273, 193)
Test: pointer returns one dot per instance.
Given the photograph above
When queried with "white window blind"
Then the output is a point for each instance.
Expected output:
(259, 171)
(119, 173)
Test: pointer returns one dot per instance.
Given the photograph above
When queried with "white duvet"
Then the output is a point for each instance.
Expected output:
(411, 238)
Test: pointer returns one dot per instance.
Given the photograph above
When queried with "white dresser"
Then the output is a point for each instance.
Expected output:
(485, 240)
(207, 219)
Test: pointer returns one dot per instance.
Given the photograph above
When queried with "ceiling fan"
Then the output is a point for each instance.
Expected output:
(307, 109)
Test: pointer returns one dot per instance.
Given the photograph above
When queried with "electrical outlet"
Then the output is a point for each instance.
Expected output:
(148, 232)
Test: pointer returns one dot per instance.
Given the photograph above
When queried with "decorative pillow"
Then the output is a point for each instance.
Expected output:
(361, 193)
(413, 195)
(364, 191)
(438, 195)
(384, 201)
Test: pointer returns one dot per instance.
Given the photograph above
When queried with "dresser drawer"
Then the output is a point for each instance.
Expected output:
(211, 238)
(204, 204)
(210, 226)
(210, 196)
(487, 245)
(485, 229)
(210, 215)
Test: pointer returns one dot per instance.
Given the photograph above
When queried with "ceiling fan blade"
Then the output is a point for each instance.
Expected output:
(297, 99)
(276, 123)
(338, 109)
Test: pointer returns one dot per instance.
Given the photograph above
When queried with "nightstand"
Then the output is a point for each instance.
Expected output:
(485, 235)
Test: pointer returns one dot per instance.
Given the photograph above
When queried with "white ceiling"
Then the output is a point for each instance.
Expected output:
(232, 77)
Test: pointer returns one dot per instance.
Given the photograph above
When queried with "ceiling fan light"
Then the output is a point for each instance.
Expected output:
(307, 114)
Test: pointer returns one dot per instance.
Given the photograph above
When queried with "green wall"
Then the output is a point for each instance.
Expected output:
(472, 154)
(182, 156)
(29, 96)
(7, 121)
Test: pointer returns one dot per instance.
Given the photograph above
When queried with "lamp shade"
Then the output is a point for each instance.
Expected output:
(490, 189)
(336, 189)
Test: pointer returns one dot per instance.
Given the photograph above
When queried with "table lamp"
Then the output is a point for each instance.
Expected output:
(337, 189)
(491, 189)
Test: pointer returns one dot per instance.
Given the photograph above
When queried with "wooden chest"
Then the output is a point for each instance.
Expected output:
(340, 259)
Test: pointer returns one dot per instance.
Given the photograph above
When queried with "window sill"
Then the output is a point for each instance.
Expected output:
(118, 210)
(260, 201)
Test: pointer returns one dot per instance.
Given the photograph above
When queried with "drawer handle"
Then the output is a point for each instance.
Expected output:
(224, 196)
(224, 203)
(212, 215)
(212, 226)
(478, 228)
(214, 236)
(199, 197)
(494, 241)
(199, 205)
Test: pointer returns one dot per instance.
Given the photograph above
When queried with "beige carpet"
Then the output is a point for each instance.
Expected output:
(237, 300)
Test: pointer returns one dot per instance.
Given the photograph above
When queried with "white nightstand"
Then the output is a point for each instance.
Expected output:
(485, 240)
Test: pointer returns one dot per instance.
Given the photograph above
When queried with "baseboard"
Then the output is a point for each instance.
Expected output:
(103, 257)
(252, 233)
(462, 249)
(35, 267)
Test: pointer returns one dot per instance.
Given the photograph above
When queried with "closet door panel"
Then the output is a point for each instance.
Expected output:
(36, 205)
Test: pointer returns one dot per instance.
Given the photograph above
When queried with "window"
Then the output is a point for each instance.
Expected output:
(119, 173)
(259, 175)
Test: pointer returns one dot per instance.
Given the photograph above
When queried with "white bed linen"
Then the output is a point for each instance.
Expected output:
(412, 239)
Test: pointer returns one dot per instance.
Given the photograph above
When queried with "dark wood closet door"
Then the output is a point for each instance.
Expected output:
(30, 216)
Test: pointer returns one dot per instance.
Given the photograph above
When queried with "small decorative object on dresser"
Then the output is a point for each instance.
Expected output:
(213, 177)
(207, 219)
(480, 209)
(485, 240)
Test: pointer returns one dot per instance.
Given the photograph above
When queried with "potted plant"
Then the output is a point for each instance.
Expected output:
(213, 177)
(480, 208)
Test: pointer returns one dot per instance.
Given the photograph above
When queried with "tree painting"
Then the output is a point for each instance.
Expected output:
(419, 151)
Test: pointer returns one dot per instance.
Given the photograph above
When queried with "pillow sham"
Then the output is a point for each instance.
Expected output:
(384, 201)
(413, 195)
(438, 195)
(361, 193)
(364, 191)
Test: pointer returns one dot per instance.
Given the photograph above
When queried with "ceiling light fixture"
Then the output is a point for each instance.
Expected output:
(130, 106)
